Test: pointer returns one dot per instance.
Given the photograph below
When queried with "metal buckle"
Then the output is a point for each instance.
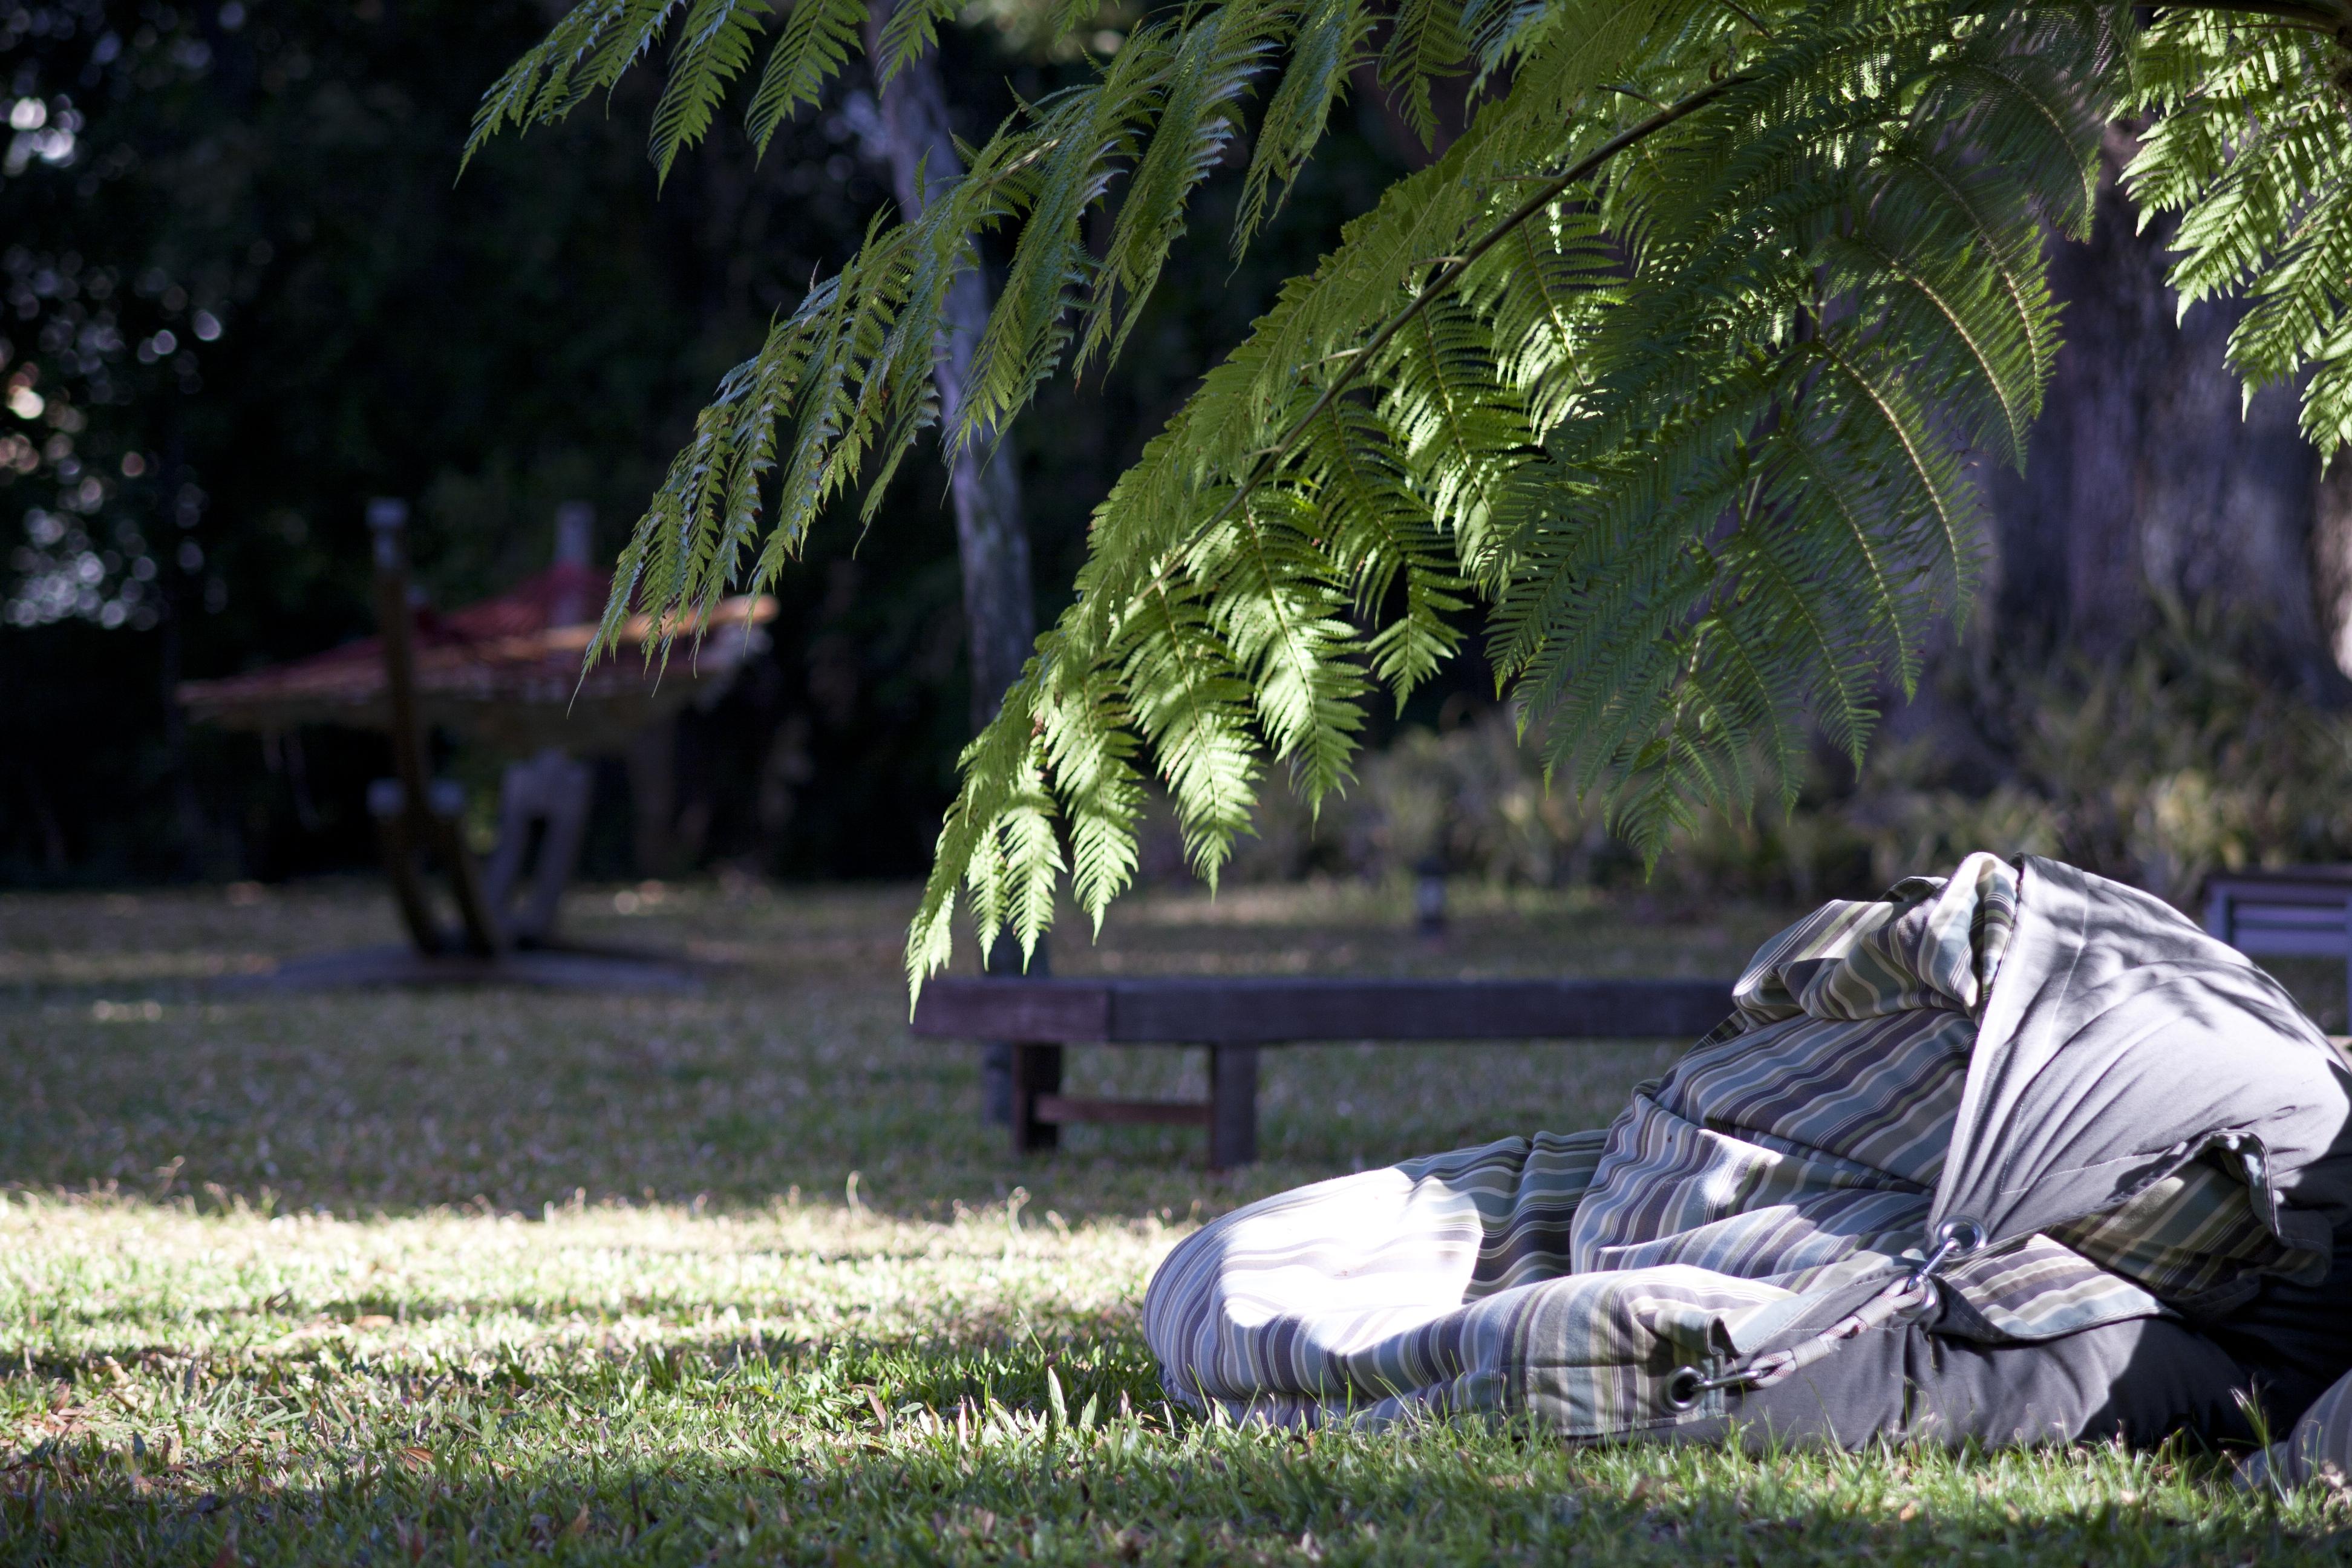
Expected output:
(1956, 1237)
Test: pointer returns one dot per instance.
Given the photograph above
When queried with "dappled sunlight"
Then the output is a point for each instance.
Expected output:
(92, 1279)
(1044, 1440)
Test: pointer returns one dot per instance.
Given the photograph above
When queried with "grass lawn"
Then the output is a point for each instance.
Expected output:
(739, 1275)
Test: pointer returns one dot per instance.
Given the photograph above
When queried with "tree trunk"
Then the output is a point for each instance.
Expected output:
(2146, 478)
(991, 540)
(2331, 559)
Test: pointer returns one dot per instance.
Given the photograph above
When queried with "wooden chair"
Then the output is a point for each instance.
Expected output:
(543, 817)
(2303, 912)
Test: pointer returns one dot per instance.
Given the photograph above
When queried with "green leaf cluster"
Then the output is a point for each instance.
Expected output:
(1672, 368)
(2251, 145)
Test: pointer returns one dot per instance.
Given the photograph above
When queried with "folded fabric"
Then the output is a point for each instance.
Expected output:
(2021, 1103)
(2320, 1444)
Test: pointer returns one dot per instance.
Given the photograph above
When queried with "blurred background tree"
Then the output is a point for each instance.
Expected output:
(246, 291)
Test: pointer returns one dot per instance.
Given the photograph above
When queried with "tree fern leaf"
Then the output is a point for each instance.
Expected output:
(1424, 45)
(1276, 603)
(913, 28)
(809, 50)
(1193, 711)
(590, 47)
(1215, 63)
(713, 48)
(1327, 40)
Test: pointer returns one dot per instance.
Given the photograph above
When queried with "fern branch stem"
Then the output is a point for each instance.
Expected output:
(1272, 458)
(1750, 17)
(2323, 16)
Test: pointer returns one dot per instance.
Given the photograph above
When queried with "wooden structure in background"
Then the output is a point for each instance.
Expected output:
(1236, 1018)
(2304, 911)
(508, 672)
(418, 817)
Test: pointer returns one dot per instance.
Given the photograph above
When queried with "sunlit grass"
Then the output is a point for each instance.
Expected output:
(471, 1278)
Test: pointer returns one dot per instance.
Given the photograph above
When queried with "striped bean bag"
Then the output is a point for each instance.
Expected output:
(1781, 1190)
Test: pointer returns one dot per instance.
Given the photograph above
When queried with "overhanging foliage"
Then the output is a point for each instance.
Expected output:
(1672, 365)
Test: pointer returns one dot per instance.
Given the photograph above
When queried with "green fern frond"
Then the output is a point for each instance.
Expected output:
(809, 50)
(1215, 62)
(1672, 366)
(1091, 747)
(1425, 45)
(589, 49)
(1281, 611)
(2252, 149)
(913, 28)
(1195, 718)
(1313, 81)
(713, 48)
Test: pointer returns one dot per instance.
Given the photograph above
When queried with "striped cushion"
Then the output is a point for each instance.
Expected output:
(1794, 1149)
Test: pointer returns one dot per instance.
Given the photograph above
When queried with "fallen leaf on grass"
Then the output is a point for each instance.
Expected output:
(579, 1525)
(417, 1459)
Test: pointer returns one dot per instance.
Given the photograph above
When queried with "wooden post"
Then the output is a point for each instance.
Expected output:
(2220, 910)
(424, 825)
(1036, 1072)
(1233, 1106)
(388, 521)
(484, 935)
(388, 805)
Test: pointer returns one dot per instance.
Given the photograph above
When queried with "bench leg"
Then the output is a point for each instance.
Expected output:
(1036, 1069)
(1233, 1106)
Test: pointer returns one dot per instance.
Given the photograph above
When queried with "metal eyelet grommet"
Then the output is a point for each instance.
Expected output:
(1684, 1387)
(1956, 1237)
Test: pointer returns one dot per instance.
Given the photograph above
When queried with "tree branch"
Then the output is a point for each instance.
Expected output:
(2323, 16)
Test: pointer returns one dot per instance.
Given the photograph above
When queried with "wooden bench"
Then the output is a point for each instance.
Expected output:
(2304, 911)
(1236, 1018)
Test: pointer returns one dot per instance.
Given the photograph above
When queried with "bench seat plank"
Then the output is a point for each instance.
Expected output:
(1263, 1010)
(2303, 912)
